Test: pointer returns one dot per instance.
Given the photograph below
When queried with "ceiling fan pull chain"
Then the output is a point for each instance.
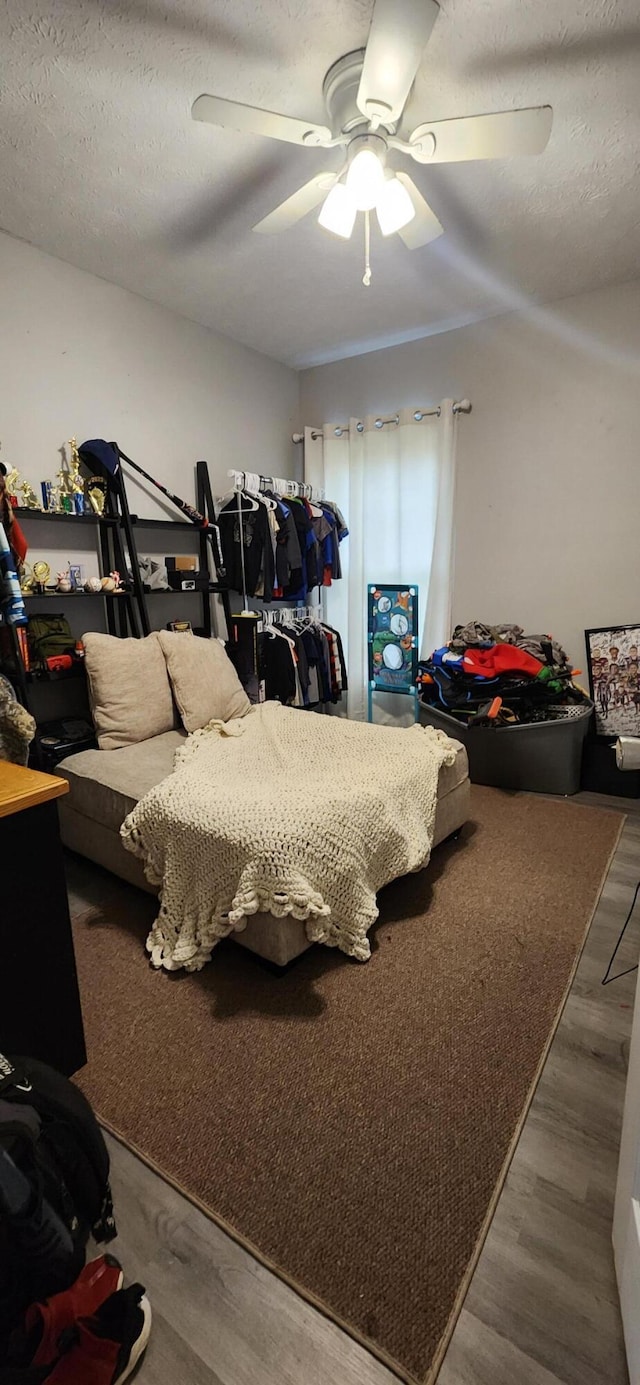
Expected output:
(366, 278)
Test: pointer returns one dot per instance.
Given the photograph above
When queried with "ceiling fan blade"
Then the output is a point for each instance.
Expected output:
(214, 110)
(297, 206)
(397, 38)
(497, 136)
(425, 225)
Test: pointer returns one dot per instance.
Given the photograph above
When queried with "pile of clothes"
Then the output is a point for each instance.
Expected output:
(497, 675)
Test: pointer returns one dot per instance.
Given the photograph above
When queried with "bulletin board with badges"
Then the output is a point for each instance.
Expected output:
(393, 640)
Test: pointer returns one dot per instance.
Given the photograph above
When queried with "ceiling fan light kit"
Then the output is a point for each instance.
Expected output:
(390, 198)
(365, 95)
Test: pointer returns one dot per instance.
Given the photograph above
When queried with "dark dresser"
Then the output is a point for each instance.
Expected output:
(40, 1014)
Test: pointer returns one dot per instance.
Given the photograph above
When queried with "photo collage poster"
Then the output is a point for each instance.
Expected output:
(613, 674)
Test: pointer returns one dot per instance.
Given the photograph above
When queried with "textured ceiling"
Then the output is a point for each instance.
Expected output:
(101, 164)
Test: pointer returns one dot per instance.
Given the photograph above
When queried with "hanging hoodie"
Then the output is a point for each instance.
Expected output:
(259, 566)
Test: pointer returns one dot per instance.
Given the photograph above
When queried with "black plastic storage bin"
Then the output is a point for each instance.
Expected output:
(544, 757)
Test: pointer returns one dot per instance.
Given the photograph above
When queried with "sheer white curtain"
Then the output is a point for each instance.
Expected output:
(395, 486)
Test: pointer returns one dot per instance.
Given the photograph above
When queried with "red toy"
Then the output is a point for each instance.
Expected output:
(55, 662)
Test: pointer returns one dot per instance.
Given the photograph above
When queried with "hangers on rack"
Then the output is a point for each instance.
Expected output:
(239, 489)
(300, 490)
(288, 615)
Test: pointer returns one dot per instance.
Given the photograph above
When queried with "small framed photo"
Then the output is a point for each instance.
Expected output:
(75, 576)
(180, 627)
(612, 658)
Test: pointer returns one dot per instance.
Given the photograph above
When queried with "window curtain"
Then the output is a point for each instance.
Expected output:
(395, 485)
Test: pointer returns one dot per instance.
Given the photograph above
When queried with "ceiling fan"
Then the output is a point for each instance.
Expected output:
(365, 94)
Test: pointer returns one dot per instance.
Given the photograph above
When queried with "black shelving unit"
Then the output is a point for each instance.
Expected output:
(126, 612)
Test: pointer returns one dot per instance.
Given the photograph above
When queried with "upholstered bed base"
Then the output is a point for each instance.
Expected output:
(105, 785)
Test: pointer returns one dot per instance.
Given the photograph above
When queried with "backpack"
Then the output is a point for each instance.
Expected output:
(52, 1136)
(49, 635)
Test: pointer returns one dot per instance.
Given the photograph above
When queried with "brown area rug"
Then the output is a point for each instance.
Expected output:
(351, 1122)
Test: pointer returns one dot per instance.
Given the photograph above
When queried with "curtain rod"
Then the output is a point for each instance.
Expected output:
(460, 406)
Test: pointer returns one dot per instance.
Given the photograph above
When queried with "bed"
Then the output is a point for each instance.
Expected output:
(110, 785)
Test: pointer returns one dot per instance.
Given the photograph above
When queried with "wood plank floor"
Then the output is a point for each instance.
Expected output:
(542, 1306)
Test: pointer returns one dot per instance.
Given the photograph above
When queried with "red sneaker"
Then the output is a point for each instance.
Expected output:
(35, 1341)
(106, 1348)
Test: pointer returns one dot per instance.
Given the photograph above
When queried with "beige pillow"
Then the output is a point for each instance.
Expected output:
(129, 689)
(205, 684)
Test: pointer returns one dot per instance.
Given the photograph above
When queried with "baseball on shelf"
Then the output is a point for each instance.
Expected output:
(93, 584)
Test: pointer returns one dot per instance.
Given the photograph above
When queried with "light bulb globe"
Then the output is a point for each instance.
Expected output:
(394, 207)
(338, 212)
(365, 179)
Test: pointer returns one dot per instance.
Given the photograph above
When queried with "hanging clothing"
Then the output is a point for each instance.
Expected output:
(251, 537)
(290, 546)
(309, 550)
(337, 664)
(303, 665)
(331, 545)
(279, 668)
(288, 555)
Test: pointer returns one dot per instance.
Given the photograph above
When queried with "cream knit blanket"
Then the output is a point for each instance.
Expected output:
(286, 812)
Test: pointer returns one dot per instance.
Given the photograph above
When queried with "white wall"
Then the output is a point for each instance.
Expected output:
(81, 356)
(548, 504)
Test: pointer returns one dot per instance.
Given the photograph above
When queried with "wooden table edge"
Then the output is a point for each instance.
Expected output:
(22, 788)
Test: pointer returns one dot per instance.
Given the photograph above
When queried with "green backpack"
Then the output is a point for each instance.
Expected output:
(49, 635)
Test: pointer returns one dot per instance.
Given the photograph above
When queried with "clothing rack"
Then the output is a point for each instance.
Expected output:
(251, 481)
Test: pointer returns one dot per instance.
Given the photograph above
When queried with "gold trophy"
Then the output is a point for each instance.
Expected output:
(63, 490)
(11, 482)
(29, 497)
(27, 579)
(69, 482)
(96, 489)
(76, 483)
(41, 573)
(21, 490)
(75, 480)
